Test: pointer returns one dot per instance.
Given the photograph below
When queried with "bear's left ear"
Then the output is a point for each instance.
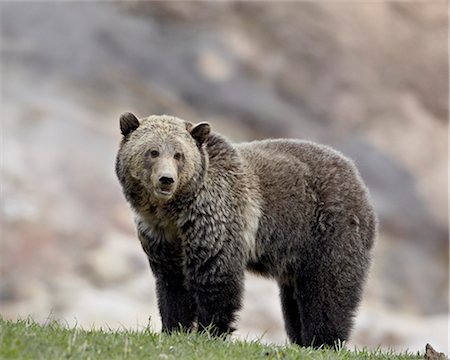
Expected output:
(200, 132)
(128, 123)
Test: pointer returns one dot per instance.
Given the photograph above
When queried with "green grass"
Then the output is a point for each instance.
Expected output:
(25, 339)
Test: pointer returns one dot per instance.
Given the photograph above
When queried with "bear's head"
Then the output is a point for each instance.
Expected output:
(161, 154)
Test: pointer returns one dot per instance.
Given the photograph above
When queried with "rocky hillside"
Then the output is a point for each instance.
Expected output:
(369, 78)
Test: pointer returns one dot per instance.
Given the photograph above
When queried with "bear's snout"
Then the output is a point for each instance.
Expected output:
(166, 180)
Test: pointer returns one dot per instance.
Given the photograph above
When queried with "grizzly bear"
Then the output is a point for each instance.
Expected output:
(207, 210)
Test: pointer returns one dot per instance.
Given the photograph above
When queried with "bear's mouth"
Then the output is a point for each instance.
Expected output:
(163, 193)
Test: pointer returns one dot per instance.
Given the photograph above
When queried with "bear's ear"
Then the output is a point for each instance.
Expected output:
(128, 123)
(200, 132)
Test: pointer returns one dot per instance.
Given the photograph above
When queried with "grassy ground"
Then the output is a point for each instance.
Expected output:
(28, 340)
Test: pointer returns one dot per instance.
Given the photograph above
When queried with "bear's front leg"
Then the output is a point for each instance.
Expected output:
(216, 277)
(177, 306)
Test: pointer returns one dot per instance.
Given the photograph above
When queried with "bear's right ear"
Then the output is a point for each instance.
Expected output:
(200, 132)
(128, 123)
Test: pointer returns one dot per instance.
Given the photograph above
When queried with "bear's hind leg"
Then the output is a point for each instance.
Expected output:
(291, 314)
(331, 276)
(328, 299)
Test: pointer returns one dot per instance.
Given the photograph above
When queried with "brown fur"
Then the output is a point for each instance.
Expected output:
(295, 211)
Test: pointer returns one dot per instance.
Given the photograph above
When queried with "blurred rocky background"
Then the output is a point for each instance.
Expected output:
(370, 78)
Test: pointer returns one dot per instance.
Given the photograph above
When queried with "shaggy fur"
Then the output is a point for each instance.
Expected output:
(291, 210)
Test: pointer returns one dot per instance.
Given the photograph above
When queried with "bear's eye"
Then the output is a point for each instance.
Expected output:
(177, 156)
(154, 153)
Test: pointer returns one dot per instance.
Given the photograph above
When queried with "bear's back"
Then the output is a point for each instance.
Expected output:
(285, 164)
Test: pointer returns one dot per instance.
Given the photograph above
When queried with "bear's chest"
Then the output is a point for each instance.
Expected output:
(158, 230)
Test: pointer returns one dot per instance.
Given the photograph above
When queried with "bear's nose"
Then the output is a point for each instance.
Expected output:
(166, 180)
